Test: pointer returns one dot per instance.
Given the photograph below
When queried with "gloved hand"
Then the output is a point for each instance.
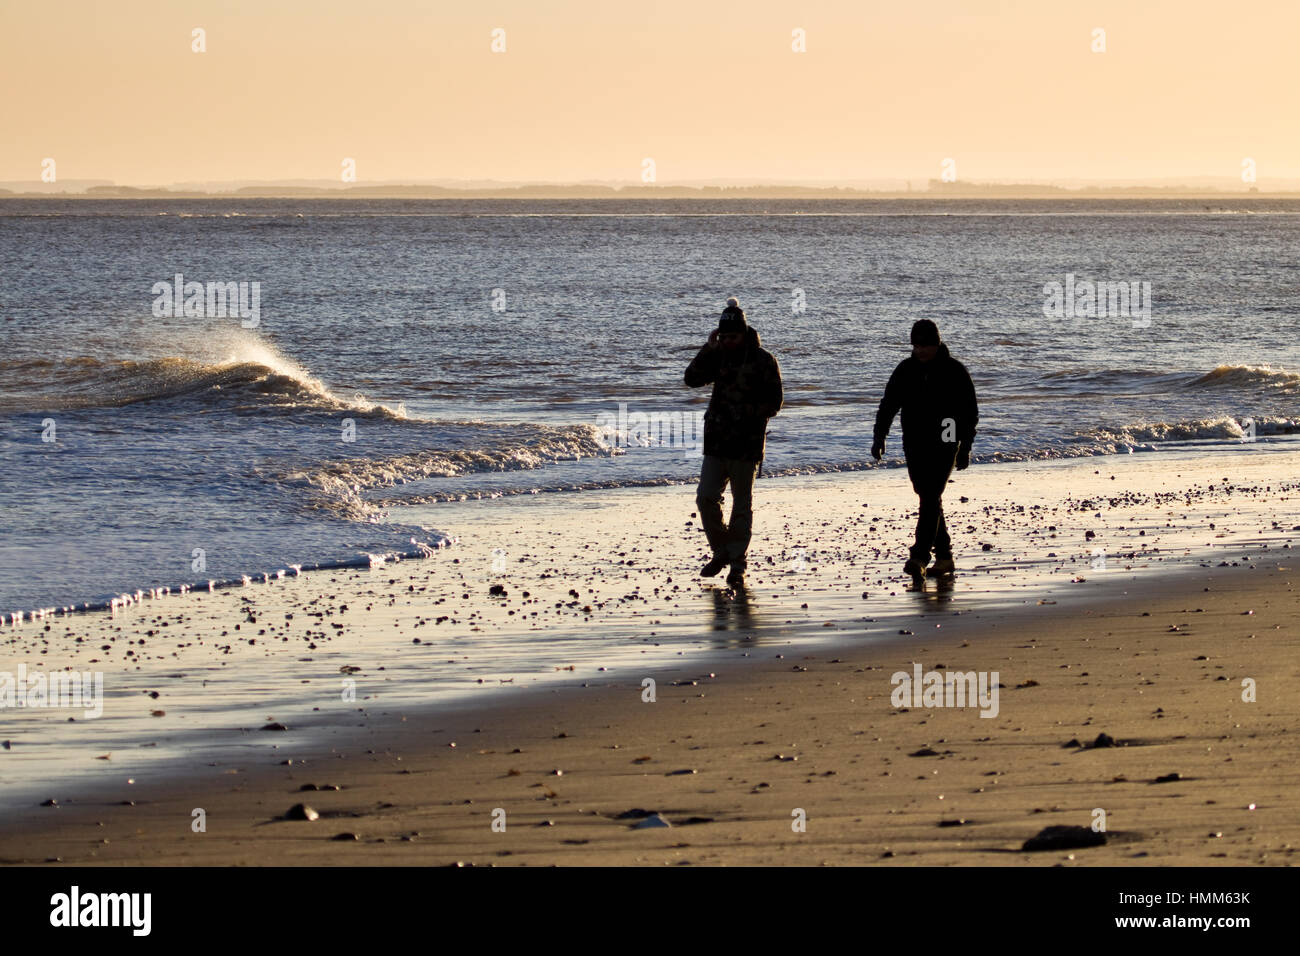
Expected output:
(878, 448)
(963, 458)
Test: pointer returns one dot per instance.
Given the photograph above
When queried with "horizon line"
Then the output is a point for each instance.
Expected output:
(484, 189)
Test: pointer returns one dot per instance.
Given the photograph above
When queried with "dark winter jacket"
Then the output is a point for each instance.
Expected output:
(929, 393)
(746, 393)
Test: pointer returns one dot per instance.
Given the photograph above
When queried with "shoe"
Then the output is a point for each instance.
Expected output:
(941, 567)
(713, 568)
(736, 576)
(915, 568)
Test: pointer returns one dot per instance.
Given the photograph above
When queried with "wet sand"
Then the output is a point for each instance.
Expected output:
(764, 706)
(728, 757)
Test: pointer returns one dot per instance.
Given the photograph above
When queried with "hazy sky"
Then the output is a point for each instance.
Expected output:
(588, 88)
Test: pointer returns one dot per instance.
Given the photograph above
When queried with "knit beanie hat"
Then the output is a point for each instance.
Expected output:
(733, 317)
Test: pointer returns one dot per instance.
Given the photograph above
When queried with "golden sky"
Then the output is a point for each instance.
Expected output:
(587, 89)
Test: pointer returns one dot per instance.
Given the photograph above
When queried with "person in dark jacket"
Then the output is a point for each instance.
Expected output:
(746, 381)
(937, 398)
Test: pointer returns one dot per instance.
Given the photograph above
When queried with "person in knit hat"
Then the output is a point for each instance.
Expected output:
(937, 398)
(747, 391)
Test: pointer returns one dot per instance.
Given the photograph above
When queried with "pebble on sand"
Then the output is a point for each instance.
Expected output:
(1063, 838)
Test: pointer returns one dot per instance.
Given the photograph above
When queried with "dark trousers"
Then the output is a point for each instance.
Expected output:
(728, 540)
(929, 467)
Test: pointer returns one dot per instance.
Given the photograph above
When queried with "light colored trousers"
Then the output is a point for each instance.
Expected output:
(729, 540)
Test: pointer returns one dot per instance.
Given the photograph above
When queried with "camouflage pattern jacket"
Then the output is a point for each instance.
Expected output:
(746, 393)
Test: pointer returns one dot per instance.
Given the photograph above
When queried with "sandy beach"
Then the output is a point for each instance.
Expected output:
(772, 736)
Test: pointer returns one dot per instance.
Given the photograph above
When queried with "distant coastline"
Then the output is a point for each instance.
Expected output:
(934, 190)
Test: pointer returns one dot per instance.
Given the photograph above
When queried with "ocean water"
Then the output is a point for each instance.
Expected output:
(407, 353)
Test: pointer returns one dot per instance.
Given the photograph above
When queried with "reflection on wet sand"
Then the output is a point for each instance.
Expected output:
(933, 594)
(734, 611)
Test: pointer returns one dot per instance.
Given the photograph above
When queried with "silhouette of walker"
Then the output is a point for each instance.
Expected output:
(937, 398)
(746, 381)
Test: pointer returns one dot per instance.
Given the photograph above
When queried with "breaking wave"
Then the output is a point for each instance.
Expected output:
(340, 485)
(1250, 376)
(233, 369)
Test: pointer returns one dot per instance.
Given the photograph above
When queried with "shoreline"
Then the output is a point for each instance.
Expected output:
(637, 602)
(398, 513)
